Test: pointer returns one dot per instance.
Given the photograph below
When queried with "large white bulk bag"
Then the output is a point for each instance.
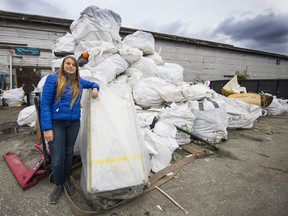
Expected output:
(171, 72)
(129, 53)
(109, 68)
(141, 40)
(97, 24)
(154, 91)
(27, 116)
(14, 97)
(115, 162)
(66, 43)
(197, 91)
(211, 119)
(276, 107)
(240, 113)
(143, 65)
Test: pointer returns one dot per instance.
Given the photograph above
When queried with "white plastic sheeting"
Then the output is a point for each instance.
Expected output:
(162, 143)
(146, 117)
(233, 86)
(115, 157)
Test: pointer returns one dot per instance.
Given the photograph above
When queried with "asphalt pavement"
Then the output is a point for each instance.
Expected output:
(248, 176)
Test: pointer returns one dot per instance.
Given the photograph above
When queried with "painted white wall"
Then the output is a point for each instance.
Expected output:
(207, 63)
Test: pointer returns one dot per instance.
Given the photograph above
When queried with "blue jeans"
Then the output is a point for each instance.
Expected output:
(62, 149)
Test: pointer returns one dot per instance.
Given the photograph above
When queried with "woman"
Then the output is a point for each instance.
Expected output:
(60, 120)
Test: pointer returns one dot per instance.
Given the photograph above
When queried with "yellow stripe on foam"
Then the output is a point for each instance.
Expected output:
(115, 160)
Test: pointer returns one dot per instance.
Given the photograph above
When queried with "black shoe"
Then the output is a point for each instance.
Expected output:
(56, 194)
(69, 187)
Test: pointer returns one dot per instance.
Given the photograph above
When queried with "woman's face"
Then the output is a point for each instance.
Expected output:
(69, 66)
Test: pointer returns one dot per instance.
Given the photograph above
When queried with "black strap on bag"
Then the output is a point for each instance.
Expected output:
(201, 105)
(47, 162)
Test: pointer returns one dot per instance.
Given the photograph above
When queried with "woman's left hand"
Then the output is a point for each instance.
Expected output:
(94, 93)
(48, 135)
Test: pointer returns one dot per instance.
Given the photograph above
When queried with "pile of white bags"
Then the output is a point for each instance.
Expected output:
(14, 97)
(120, 142)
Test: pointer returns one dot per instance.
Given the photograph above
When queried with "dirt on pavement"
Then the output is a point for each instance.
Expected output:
(248, 176)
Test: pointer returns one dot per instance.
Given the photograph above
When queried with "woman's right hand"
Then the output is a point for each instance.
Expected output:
(94, 93)
(48, 135)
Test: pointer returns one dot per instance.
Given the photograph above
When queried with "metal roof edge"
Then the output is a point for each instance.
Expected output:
(14, 16)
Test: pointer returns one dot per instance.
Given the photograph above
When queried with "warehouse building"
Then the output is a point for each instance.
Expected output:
(26, 43)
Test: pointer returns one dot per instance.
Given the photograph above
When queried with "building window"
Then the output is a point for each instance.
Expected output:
(278, 61)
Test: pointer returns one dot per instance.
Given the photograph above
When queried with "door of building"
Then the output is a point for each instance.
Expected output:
(27, 76)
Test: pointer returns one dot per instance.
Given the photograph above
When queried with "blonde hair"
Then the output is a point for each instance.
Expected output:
(62, 81)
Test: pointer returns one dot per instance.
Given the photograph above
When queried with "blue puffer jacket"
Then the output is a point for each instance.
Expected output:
(51, 109)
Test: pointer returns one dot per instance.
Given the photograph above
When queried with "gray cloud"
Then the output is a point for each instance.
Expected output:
(267, 32)
(40, 7)
(177, 27)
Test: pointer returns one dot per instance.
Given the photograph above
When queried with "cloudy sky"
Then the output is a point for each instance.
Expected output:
(253, 24)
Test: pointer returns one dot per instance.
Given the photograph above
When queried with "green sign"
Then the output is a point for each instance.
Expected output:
(27, 51)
